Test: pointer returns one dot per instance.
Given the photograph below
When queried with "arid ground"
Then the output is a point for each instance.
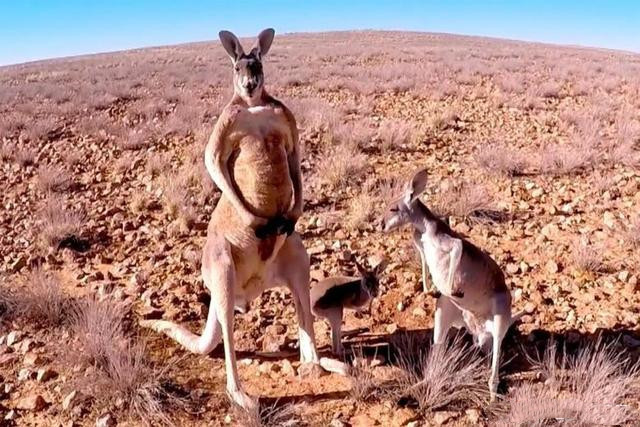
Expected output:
(533, 153)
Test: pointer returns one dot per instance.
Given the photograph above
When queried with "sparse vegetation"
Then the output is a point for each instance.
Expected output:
(501, 159)
(466, 201)
(443, 376)
(588, 388)
(53, 178)
(587, 258)
(57, 222)
(544, 140)
(43, 300)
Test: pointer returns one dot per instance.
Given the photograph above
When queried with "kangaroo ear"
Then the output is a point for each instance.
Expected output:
(231, 44)
(265, 38)
(360, 268)
(416, 186)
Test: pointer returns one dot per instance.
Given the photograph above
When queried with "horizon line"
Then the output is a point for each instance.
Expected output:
(291, 33)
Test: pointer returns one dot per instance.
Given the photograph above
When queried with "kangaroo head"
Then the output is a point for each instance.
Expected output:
(370, 278)
(248, 78)
(399, 211)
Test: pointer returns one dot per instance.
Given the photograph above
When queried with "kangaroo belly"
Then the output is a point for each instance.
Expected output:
(261, 167)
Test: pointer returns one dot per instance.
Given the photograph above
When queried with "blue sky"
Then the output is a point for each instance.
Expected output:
(38, 29)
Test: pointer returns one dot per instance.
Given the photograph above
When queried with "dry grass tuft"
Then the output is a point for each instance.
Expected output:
(157, 163)
(565, 159)
(501, 159)
(99, 326)
(632, 232)
(286, 415)
(341, 165)
(53, 178)
(58, 222)
(120, 368)
(444, 376)
(395, 134)
(361, 207)
(588, 388)
(25, 156)
(43, 300)
(466, 201)
(587, 258)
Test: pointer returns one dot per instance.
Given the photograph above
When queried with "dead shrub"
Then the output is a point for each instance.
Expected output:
(58, 222)
(445, 375)
(466, 201)
(25, 156)
(394, 134)
(120, 368)
(564, 159)
(53, 178)
(588, 388)
(586, 257)
(632, 232)
(157, 163)
(43, 300)
(287, 415)
(98, 326)
(501, 159)
(7, 151)
(341, 165)
(361, 207)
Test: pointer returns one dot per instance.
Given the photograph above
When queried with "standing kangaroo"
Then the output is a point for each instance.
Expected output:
(253, 156)
(472, 285)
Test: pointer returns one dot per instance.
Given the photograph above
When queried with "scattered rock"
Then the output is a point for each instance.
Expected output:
(442, 417)
(106, 420)
(25, 374)
(34, 402)
(70, 400)
(45, 374)
(551, 266)
(10, 416)
(13, 337)
(18, 264)
(473, 415)
(32, 359)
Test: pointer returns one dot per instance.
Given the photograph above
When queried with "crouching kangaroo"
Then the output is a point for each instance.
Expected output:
(331, 296)
(253, 156)
(472, 285)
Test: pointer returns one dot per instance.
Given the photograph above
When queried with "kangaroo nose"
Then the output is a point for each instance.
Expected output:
(250, 86)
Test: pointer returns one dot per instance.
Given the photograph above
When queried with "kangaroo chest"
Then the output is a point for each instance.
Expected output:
(437, 260)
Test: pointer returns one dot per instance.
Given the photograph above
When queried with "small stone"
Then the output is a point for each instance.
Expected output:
(512, 268)
(623, 276)
(392, 328)
(13, 337)
(529, 307)
(400, 306)
(228, 419)
(442, 417)
(337, 423)
(609, 219)
(45, 374)
(287, 368)
(25, 374)
(32, 359)
(10, 416)
(551, 266)
(70, 400)
(18, 264)
(32, 403)
(473, 415)
(419, 312)
(106, 420)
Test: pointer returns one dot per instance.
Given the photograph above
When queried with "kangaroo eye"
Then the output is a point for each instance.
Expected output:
(237, 68)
